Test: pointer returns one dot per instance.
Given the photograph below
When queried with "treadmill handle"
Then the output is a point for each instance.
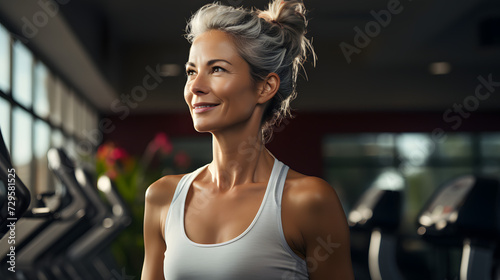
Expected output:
(23, 197)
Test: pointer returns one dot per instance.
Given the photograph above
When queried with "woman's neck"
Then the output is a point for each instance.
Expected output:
(239, 158)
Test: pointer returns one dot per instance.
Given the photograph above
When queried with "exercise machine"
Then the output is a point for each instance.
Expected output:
(15, 197)
(465, 212)
(83, 259)
(379, 212)
(74, 219)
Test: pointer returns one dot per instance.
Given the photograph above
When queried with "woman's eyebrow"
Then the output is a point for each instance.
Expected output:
(210, 62)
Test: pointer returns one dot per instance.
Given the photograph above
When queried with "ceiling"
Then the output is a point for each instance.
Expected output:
(390, 72)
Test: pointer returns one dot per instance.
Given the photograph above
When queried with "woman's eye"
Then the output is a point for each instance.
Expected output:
(189, 72)
(216, 69)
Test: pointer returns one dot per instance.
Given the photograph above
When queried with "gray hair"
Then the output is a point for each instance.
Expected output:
(270, 41)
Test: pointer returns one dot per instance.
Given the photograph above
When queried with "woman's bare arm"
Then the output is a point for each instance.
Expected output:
(325, 231)
(158, 198)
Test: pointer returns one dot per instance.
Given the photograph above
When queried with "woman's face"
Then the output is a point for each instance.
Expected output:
(219, 90)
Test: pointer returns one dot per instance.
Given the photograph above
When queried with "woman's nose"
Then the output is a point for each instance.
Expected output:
(199, 85)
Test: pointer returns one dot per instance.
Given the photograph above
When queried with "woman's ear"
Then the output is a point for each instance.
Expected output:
(269, 87)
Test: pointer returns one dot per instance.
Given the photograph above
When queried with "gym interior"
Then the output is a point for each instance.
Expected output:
(401, 115)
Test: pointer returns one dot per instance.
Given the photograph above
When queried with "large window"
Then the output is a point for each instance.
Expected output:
(38, 110)
(22, 67)
(22, 123)
(5, 120)
(5, 59)
(42, 88)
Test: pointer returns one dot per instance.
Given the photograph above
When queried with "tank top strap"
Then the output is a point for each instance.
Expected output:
(279, 182)
(186, 181)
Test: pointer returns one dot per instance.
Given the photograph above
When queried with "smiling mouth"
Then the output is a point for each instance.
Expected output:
(204, 108)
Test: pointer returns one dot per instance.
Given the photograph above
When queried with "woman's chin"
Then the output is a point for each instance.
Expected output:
(202, 127)
(200, 130)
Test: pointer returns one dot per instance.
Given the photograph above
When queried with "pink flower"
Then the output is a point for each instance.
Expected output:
(104, 150)
(161, 143)
(119, 154)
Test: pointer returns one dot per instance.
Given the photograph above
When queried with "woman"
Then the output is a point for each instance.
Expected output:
(245, 215)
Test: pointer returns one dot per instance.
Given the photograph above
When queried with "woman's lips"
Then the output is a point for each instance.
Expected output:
(204, 108)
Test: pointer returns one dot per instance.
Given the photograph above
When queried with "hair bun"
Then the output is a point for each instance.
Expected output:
(276, 22)
(290, 17)
(282, 13)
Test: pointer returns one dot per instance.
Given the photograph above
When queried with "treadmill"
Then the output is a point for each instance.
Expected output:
(86, 257)
(66, 235)
(378, 213)
(48, 235)
(465, 212)
(15, 197)
(15, 200)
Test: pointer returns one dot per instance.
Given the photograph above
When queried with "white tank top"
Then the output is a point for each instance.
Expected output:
(260, 252)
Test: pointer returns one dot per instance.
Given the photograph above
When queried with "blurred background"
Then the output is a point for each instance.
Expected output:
(410, 87)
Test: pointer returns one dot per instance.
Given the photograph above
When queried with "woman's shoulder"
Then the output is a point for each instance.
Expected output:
(162, 190)
(309, 193)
